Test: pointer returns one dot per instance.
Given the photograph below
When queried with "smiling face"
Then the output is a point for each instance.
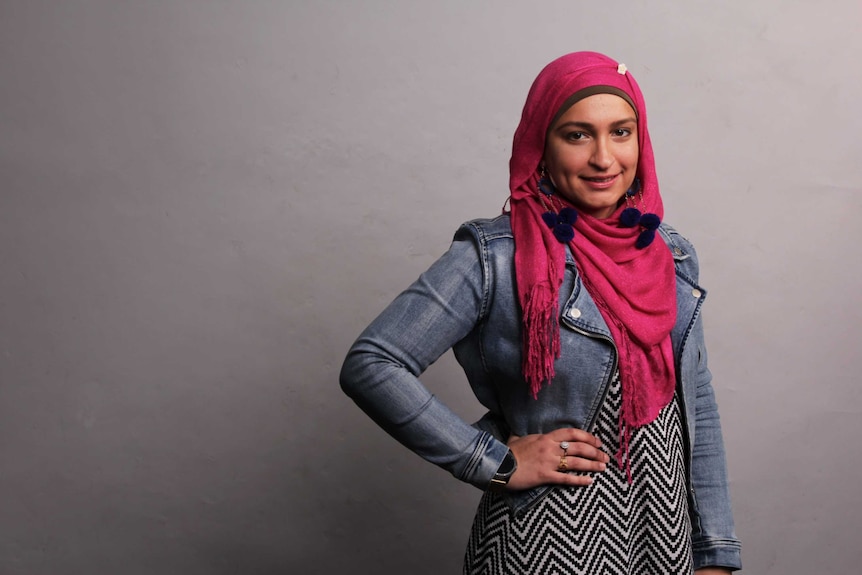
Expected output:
(591, 153)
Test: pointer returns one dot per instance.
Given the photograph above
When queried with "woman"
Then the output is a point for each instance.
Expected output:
(576, 318)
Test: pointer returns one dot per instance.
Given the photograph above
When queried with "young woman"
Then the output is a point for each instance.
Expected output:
(576, 319)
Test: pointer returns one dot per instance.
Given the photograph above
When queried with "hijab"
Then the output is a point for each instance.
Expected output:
(633, 285)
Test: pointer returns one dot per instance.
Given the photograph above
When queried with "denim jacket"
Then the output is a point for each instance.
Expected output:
(467, 301)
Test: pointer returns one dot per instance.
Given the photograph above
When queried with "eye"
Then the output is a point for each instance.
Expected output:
(622, 132)
(575, 136)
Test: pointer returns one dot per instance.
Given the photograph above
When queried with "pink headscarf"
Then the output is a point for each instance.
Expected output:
(634, 289)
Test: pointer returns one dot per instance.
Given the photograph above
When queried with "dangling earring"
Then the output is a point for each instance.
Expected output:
(631, 216)
(561, 220)
(546, 186)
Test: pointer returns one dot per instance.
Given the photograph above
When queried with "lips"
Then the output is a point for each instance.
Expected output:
(600, 179)
(600, 182)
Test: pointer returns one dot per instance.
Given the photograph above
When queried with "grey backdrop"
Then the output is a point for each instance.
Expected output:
(203, 203)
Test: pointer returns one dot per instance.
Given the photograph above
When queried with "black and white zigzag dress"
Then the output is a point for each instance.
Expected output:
(608, 528)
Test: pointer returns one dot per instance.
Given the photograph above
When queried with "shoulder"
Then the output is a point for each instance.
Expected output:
(488, 239)
(501, 226)
(684, 254)
(487, 230)
(678, 244)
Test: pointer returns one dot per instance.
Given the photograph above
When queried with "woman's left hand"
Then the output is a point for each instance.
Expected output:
(540, 457)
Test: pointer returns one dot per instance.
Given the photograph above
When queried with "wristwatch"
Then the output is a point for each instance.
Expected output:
(504, 473)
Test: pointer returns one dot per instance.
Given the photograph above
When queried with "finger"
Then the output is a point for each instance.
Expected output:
(568, 464)
(575, 479)
(573, 434)
(567, 478)
(587, 451)
(581, 449)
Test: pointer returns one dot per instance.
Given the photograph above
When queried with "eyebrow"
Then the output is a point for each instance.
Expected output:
(588, 126)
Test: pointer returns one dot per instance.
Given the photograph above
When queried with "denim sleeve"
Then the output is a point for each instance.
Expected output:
(382, 368)
(713, 539)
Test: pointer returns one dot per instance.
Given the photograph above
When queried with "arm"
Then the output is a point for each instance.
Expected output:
(713, 539)
(382, 367)
(715, 546)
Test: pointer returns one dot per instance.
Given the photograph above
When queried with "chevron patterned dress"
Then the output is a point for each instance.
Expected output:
(608, 528)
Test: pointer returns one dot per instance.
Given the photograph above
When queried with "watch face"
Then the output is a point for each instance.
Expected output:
(504, 472)
(508, 465)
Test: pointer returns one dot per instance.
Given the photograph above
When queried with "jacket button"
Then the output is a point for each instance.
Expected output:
(574, 313)
(695, 292)
(677, 251)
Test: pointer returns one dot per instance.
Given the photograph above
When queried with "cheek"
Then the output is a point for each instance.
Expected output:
(631, 155)
(628, 158)
(565, 161)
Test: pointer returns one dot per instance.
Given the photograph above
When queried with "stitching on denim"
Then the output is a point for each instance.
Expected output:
(476, 456)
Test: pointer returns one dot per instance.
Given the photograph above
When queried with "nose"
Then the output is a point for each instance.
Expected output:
(602, 157)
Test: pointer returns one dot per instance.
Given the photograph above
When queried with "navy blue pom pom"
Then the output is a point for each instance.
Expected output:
(568, 216)
(650, 221)
(644, 239)
(564, 232)
(550, 219)
(629, 217)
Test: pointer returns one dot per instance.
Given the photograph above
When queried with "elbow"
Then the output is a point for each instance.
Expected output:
(348, 377)
(362, 372)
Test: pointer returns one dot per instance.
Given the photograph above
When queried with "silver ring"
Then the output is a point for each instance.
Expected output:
(564, 445)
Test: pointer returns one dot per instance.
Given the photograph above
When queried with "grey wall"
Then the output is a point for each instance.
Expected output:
(202, 204)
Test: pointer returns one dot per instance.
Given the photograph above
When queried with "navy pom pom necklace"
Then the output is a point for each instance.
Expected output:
(562, 220)
(632, 217)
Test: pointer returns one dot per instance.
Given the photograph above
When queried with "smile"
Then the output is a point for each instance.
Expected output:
(600, 179)
(600, 182)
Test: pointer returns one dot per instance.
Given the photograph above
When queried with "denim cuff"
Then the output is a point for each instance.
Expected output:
(486, 460)
(715, 552)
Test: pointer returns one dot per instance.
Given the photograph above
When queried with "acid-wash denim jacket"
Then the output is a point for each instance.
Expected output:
(467, 301)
